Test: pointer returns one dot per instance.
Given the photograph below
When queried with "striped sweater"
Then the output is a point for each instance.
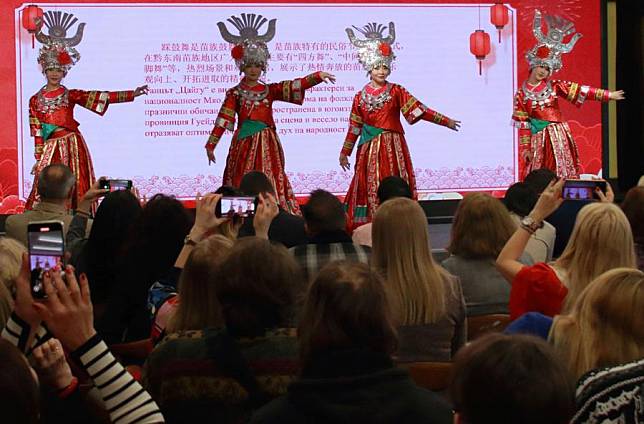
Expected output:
(124, 398)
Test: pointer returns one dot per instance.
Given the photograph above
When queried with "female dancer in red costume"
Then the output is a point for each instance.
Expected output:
(375, 119)
(51, 109)
(545, 140)
(255, 145)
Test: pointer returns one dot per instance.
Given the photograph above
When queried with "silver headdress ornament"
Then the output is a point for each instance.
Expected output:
(550, 46)
(57, 51)
(375, 49)
(250, 47)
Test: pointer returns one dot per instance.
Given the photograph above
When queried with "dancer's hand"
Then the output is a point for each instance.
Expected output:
(616, 95)
(139, 91)
(211, 156)
(327, 77)
(454, 124)
(344, 162)
(526, 155)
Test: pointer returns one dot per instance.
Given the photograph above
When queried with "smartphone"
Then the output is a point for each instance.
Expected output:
(115, 185)
(46, 250)
(583, 189)
(235, 206)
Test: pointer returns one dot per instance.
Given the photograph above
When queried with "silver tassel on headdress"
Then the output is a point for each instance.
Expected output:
(550, 46)
(375, 49)
(250, 47)
(58, 51)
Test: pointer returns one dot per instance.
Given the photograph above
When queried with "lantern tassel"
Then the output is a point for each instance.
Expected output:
(33, 40)
(480, 67)
(500, 35)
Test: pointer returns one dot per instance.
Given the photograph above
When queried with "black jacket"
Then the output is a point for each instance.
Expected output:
(355, 386)
(286, 228)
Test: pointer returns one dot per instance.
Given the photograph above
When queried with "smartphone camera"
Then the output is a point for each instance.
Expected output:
(583, 189)
(46, 251)
(230, 207)
(115, 185)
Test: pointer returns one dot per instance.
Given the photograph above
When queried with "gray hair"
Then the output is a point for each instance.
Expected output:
(55, 182)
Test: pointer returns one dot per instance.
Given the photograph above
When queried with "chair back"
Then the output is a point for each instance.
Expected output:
(483, 324)
(434, 376)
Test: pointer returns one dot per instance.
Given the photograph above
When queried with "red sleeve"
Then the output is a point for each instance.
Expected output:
(293, 91)
(35, 129)
(536, 288)
(577, 94)
(521, 120)
(225, 120)
(98, 101)
(413, 110)
(355, 127)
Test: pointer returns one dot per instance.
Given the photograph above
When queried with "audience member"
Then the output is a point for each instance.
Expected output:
(520, 199)
(500, 379)
(233, 370)
(481, 227)
(68, 316)
(346, 338)
(11, 252)
(601, 240)
(427, 301)
(101, 254)
(389, 188)
(563, 218)
(325, 223)
(286, 228)
(612, 395)
(56, 185)
(196, 306)
(633, 207)
(149, 255)
(605, 326)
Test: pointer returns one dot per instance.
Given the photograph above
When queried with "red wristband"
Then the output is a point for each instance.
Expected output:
(71, 388)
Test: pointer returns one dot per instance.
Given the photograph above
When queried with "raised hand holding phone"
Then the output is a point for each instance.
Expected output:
(267, 210)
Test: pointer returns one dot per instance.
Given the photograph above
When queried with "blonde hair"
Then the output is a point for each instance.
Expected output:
(482, 225)
(198, 306)
(10, 260)
(417, 287)
(606, 324)
(601, 240)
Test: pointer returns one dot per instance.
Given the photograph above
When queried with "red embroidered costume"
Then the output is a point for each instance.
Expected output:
(51, 109)
(255, 144)
(542, 129)
(543, 133)
(56, 134)
(375, 120)
(382, 149)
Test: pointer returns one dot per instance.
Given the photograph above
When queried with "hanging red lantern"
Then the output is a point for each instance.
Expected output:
(32, 20)
(480, 45)
(499, 17)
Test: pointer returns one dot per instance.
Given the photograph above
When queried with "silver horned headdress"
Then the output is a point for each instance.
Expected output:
(250, 47)
(550, 47)
(375, 49)
(57, 51)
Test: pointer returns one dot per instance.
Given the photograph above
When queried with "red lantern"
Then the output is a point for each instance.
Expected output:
(480, 45)
(32, 20)
(499, 17)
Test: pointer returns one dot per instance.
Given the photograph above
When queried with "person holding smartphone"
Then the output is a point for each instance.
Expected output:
(51, 110)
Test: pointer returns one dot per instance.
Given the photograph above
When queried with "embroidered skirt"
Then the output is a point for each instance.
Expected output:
(555, 149)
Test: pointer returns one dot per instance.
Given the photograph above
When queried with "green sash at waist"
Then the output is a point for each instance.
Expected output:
(369, 133)
(47, 129)
(250, 127)
(537, 125)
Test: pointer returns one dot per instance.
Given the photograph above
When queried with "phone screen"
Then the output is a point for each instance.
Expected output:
(582, 189)
(116, 185)
(46, 250)
(231, 206)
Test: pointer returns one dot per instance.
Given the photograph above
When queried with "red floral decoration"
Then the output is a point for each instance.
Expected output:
(64, 58)
(237, 52)
(543, 52)
(385, 49)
